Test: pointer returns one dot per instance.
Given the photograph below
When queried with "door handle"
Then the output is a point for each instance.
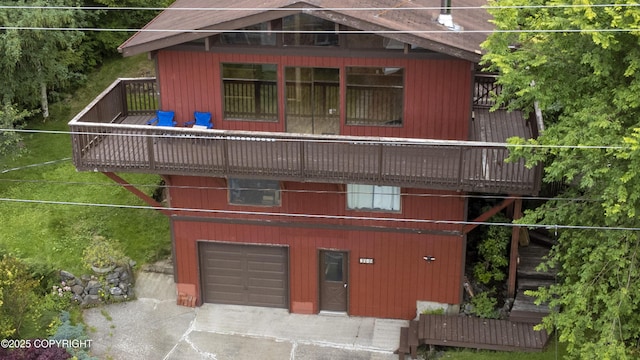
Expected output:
(345, 285)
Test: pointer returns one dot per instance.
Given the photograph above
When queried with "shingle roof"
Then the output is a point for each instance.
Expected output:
(163, 31)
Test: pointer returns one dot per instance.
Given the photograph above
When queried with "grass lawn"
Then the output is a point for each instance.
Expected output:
(53, 235)
(552, 352)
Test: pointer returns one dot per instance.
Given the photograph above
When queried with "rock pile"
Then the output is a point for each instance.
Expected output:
(90, 290)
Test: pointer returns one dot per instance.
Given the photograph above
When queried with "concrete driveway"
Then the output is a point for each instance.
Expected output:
(154, 327)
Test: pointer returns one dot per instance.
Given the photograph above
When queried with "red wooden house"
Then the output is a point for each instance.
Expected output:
(344, 138)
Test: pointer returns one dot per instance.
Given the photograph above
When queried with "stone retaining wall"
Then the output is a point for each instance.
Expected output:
(90, 290)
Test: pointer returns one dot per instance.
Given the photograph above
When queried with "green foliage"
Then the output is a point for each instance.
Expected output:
(66, 330)
(439, 311)
(484, 305)
(17, 296)
(33, 58)
(587, 84)
(11, 118)
(492, 252)
(105, 43)
(102, 252)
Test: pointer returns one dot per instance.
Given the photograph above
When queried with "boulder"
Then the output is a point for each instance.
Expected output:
(77, 289)
(66, 276)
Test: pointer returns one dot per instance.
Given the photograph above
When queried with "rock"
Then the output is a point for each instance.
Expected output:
(71, 282)
(132, 263)
(77, 299)
(66, 276)
(93, 287)
(124, 287)
(116, 291)
(118, 298)
(124, 276)
(77, 289)
(85, 278)
(90, 300)
(113, 278)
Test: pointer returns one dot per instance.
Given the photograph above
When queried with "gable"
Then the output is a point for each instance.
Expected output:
(413, 23)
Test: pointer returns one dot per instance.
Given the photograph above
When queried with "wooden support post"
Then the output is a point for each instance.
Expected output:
(144, 197)
(513, 257)
(488, 214)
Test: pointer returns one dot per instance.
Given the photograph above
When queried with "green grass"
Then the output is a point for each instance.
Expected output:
(56, 234)
(552, 352)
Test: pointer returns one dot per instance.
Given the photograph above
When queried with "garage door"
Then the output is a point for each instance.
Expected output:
(244, 274)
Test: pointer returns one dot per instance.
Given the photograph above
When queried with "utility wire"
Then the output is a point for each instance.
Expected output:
(223, 134)
(329, 192)
(217, 31)
(317, 216)
(408, 8)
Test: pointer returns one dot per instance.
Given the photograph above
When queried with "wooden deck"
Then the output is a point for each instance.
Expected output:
(111, 136)
(470, 332)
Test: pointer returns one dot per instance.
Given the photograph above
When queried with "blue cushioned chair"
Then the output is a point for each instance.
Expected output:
(201, 119)
(163, 118)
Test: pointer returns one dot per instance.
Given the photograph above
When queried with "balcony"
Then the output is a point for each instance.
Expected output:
(110, 135)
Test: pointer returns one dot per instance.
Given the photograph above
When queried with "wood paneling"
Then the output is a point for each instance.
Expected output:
(437, 92)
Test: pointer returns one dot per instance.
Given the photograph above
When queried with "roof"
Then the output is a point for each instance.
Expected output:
(418, 27)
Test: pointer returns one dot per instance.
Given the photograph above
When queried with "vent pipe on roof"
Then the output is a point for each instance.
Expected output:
(445, 18)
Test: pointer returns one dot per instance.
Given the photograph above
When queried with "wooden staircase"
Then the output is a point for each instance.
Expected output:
(529, 278)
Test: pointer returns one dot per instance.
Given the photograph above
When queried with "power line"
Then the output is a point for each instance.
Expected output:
(218, 31)
(408, 8)
(331, 192)
(224, 134)
(318, 216)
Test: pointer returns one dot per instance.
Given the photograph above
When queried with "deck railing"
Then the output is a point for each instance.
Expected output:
(102, 143)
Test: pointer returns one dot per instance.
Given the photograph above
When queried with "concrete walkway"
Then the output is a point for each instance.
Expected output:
(154, 327)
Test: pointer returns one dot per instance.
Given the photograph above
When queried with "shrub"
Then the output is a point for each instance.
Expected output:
(484, 306)
(492, 252)
(102, 252)
(17, 296)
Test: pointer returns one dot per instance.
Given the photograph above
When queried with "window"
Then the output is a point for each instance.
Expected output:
(312, 31)
(261, 36)
(373, 197)
(254, 192)
(250, 92)
(375, 96)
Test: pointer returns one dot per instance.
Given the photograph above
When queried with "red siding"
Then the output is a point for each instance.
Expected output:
(389, 288)
(437, 92)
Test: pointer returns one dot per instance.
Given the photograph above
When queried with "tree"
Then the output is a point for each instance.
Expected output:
(106, 43)
(581, 64)
(35, 61)
(10, 141)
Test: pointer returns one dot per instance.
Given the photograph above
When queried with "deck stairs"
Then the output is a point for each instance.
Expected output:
(530, 278)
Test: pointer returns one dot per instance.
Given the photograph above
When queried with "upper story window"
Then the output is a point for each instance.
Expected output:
(375, 96)
(250, 92)
(254, 192)
(373, 197)
(251, 35)
(304, 30)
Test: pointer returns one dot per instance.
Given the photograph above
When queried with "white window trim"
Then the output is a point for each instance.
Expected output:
(373, 197)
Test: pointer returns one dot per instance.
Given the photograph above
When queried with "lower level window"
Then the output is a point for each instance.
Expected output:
(254, 192)
(373, 197)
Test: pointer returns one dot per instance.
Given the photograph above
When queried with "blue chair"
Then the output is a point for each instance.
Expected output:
(163, 118)
(201, 119)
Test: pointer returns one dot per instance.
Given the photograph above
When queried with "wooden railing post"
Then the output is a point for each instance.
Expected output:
(461, 168)
(380, 160)
(150, 151)
(301, 159)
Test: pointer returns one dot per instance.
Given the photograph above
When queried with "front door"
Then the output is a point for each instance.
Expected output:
(333, 281)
